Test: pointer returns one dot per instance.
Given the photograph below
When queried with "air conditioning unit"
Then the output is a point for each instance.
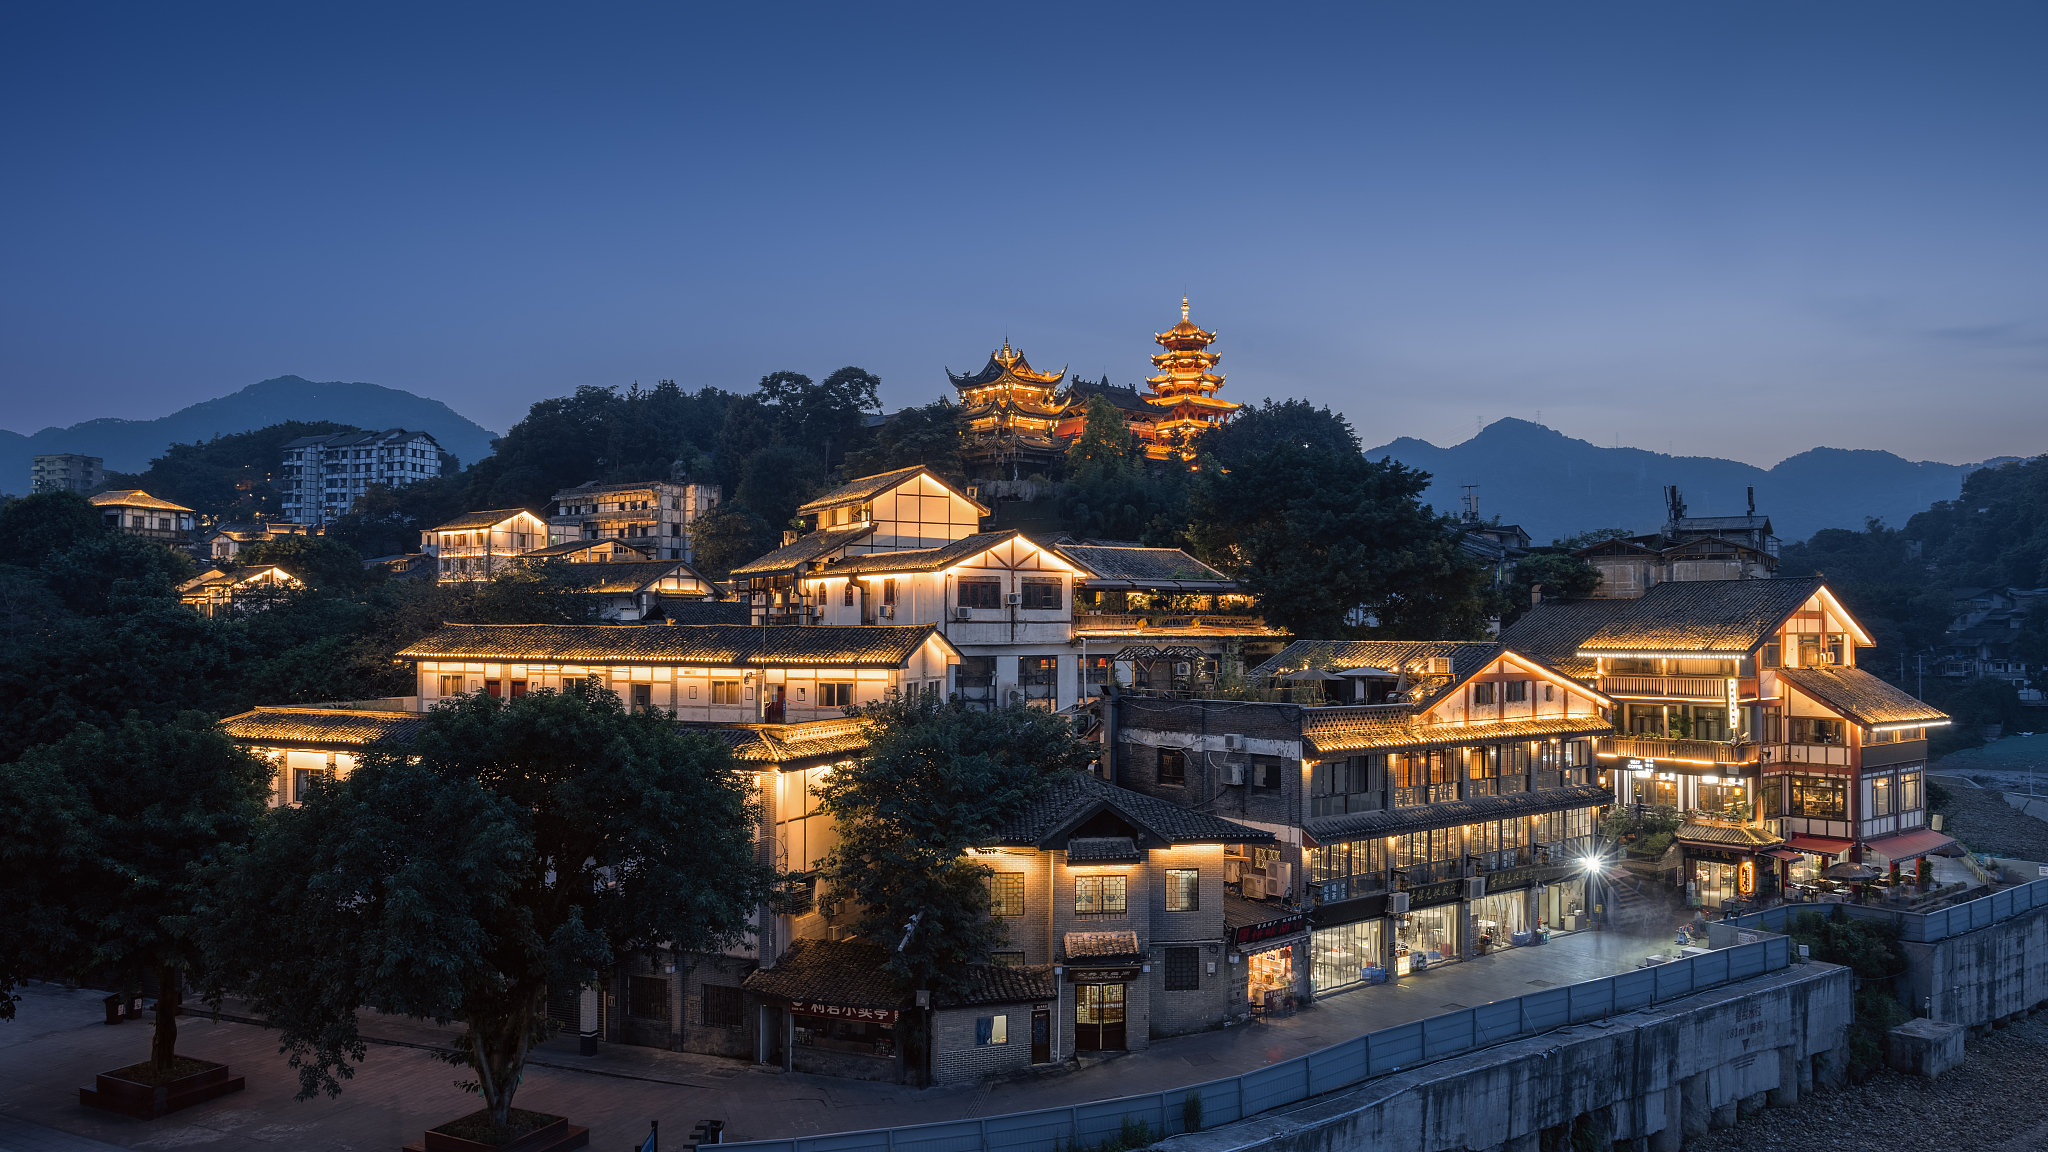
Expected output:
(1183, 669)
(888, 611)
(1475, 888)
(1398, 903)
(963, 613)
(1275, 886)
(1015, 598)
(1236, 773)
(1232, 742)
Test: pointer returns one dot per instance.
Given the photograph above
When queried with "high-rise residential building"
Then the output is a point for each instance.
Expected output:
(66, 472)
(652, 515)
(320, 477)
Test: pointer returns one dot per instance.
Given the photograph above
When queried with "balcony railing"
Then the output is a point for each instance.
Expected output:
(1833, 754)
(1700, 751)
(1683, 687)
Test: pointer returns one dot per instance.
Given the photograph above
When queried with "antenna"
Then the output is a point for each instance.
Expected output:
(1471, 501)
(1752, 500)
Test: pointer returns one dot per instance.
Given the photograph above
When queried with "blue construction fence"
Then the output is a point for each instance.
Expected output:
(1327, 1070)
(1918, 927)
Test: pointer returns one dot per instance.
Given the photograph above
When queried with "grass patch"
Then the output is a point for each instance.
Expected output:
(146, 1073)
(477, 1127)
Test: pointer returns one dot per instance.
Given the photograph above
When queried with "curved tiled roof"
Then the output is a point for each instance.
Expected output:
(1141, 567)
(1341, 736)
(1553, 630)
(135, 498)
(1860, 696)
(847, 973)
(1101, 945)
(707, 611)
(1079, 795)
(317, 727)
(484, 519)
(1424, 817)
(805, 550)
(1719, 616)
(784, 743)
(868, 487)
(624, 575)
(715, 645)
(1722, 834)
(921, 559)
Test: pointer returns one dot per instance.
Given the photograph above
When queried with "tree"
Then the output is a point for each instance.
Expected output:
(929, 436)
(1588, 539)
(1561, 575)
(33, 527)
(937, 779)
(727, 537)
(1889, 590)
(821, 418)
(1326, 538)
(127, 820)
(320, 562)
(777, 481)
(515, 846)
(1108, 493)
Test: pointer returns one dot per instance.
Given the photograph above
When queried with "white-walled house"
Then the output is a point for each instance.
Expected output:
(479, 545)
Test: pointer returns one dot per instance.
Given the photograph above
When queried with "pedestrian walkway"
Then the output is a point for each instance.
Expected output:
(58, 1043)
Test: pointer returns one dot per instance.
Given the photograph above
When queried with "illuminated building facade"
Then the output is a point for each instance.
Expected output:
(1185, 389)
(1009, 415)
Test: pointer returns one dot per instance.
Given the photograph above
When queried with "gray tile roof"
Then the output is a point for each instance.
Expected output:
(1553, 630)
(1003, 984)
(868, 487)
(625, 575)
(1861, 697)
(1101, 945)
(1072, 800)
(1093, 849)
(707, 611)
(847, 973)
(323, 727)
(918, 559)
(484, 519)
(804, 550)
(715, 645)
(1133, 567)
(1722, 616)
(1424, 817)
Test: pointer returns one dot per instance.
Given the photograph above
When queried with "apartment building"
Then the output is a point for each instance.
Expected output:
(654, 515)
(1739, 703)
(66, 472)
(1426, 802)
(321, 477)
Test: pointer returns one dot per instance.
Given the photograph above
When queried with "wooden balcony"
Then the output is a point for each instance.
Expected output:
(1673, 687)
(1695, 751)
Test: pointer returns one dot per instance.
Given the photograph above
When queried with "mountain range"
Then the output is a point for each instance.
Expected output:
(1555, 486)
(129, 445)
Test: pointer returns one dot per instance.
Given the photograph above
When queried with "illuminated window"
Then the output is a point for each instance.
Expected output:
(1183, 889)
(835, 695)
(1099, 895)
(1006, 894)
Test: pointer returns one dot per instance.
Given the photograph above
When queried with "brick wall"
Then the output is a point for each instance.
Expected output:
(955, 1055)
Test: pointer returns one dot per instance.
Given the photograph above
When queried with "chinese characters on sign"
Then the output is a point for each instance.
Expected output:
(837, 1012)
(1270, 930)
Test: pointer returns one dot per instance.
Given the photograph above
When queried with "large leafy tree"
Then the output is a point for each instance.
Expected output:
(777, 481)
(1333, 544)
(1561, 575)
(929, 435)
(36, 526)
(113, 831)
(824, 417)
(728, 536)
(937, 779)
(1108, 492)
(515, 846)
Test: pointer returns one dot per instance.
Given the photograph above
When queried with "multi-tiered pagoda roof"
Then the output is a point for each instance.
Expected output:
(1186, 385)
(1010, 411)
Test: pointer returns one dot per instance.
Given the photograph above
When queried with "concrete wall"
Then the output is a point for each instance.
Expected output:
(1661, 1074)
(1980, 976)
(955, 1055)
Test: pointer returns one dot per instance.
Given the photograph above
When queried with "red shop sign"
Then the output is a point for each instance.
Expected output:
(1271, 929)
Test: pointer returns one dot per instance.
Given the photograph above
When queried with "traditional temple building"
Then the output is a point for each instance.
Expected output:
(1185, 389)
(1010, 412)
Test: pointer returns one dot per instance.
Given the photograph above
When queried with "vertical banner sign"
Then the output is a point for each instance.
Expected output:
(1745, 877)
(1734, 703)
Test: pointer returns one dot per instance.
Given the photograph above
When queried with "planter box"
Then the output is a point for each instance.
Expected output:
(150, 1101)
(559, 1136)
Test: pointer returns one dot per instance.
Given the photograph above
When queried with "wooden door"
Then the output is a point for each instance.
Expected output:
(1041, 1037)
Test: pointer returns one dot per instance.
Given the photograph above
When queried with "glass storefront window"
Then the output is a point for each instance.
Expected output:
(1712, 884)
(1820, 796)
(1431, 933)
(1342, 952)
(1497, 918)
(1269, 980)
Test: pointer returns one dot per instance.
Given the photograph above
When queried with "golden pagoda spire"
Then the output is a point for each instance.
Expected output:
(1183, 309)
(1186, 385)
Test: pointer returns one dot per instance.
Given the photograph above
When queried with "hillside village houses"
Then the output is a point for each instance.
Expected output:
(137, 513)
(479, 545)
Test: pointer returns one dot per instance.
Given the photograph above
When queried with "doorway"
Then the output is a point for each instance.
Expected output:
(1098, 1017)
(1041, 1036)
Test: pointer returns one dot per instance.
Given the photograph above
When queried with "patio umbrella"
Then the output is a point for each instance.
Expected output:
(1848, 871)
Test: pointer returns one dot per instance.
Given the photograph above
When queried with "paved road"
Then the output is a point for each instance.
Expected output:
(58, 1043)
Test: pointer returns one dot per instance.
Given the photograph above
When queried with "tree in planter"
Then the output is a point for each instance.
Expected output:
(516, 845)
(937, 779)
(115, 830)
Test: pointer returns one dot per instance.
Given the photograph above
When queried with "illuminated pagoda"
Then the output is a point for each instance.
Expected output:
(1009, 412)
(1186, 387)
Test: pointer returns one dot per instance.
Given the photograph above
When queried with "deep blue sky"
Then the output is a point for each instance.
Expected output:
(1733, 229)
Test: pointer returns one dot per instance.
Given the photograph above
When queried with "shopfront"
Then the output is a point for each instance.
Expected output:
(1562, 904)
(1500, 920)
(1270, 951)
(858, 1031)
(1427, 936)
(1344, 953)
(1717, 877)
(1101, 997)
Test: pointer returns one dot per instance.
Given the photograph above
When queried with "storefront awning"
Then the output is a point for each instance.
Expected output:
(1906, 845)
(1101, 945)
(1819, 845)
(1780, 853)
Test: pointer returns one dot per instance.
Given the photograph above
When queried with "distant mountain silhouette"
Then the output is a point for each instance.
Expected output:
(1555, 486)
(129, 445)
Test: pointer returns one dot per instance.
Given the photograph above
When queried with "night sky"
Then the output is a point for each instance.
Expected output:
(1729, 229)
